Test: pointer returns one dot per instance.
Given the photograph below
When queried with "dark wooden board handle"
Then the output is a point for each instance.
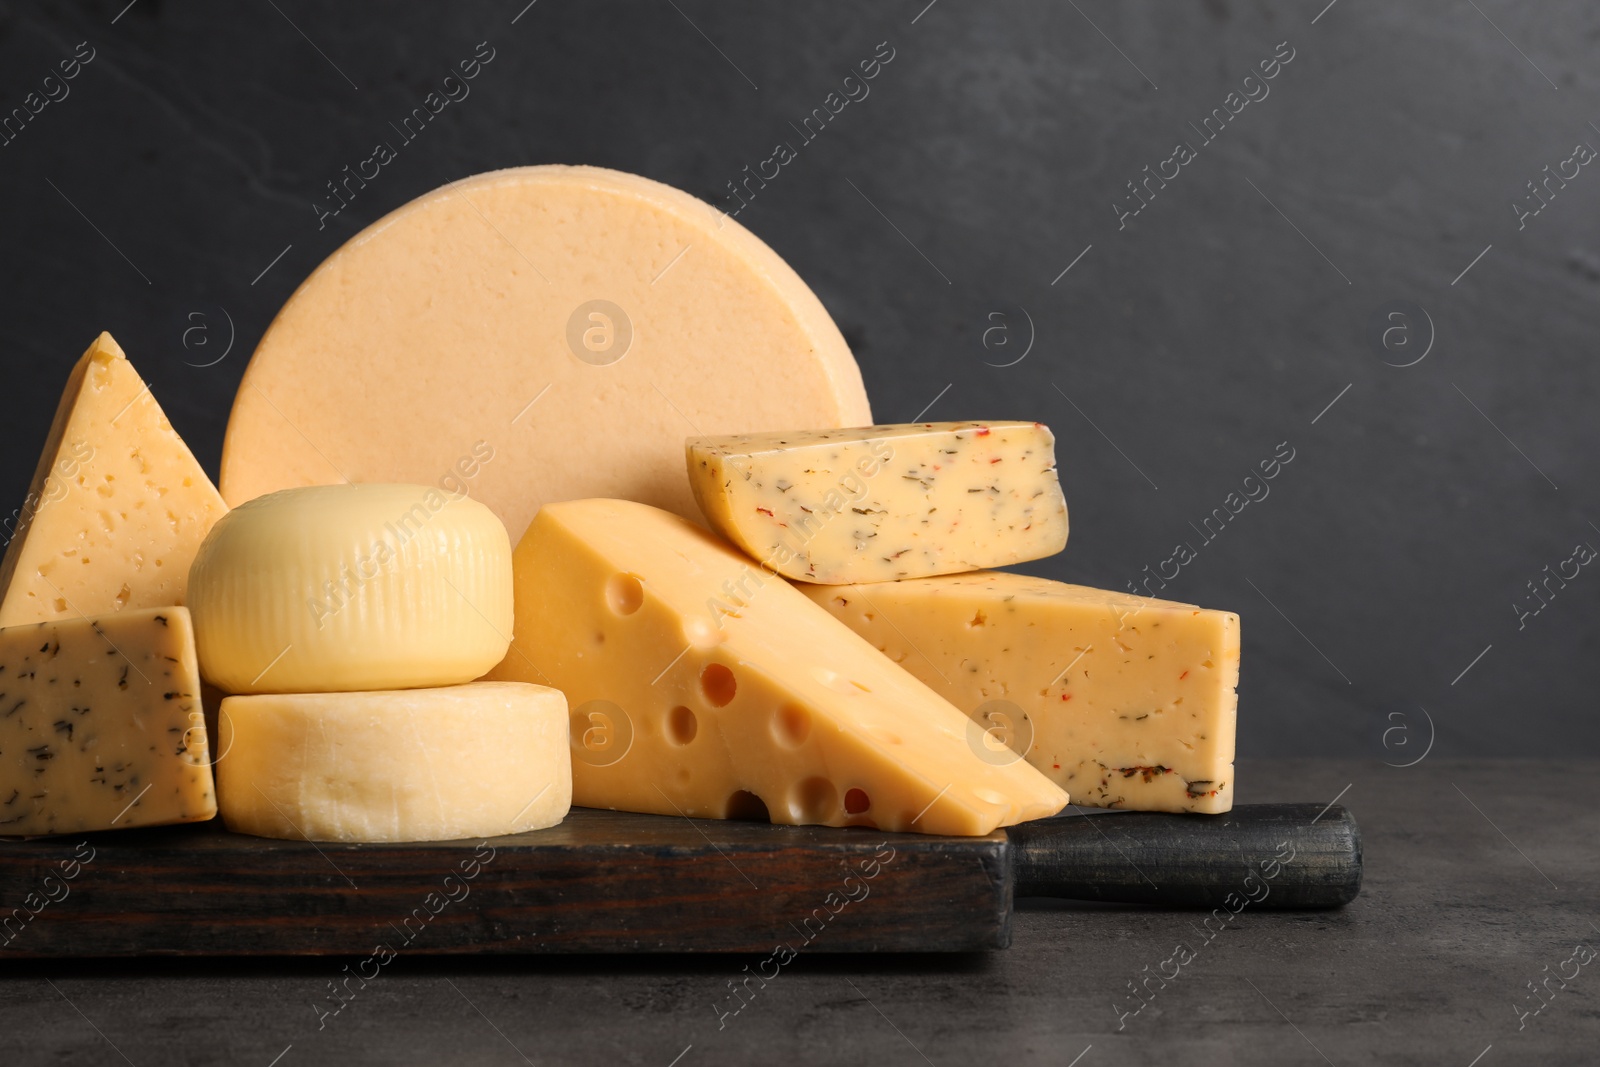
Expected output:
(1257, 856)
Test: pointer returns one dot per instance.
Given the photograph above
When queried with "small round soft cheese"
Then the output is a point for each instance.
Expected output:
(339, 588)
(467, 761)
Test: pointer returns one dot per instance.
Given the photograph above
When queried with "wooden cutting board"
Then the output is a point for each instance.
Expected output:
(607, 881)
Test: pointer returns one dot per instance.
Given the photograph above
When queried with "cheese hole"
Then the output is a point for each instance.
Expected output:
(856, 801)
(991, 796)
(792, 725)
(718, 685)
(681, 725)
(814, 800)
(977, 620)
(745, 805)
(624, 593)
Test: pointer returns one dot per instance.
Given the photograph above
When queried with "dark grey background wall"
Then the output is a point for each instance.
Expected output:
(1384, 578)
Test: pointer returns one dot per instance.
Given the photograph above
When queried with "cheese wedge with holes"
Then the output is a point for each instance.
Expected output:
(352, 587)
(701, 686)
(1124, 701)
(882, 503)
(101, 726)
(524, 313)
(117, 507)
(467, 761)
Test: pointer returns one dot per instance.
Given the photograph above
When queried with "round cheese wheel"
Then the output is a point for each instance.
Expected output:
(536, 334)
(468, 761)
(346, 587)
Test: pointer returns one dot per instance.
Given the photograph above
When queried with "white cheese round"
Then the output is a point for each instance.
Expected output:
(468, 761)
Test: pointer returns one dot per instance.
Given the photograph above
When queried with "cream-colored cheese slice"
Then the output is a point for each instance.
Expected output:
(352, 587)
(882, 503)
(701, 686)
(446, 764)
(117, 507)
(101, 726)
(1123, 701)
(573, 324)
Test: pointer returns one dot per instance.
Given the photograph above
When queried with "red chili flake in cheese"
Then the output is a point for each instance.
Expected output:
(759, 474)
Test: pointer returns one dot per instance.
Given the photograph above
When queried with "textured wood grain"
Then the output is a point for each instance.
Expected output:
(599, 882)
(620, 883)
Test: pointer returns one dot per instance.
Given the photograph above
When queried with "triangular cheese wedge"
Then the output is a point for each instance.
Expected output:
(700, 685)
(117, 507)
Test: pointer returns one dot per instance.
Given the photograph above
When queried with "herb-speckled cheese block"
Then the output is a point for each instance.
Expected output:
(463, 761)
(883, 503)
(101, 726)
(701, 686)
(117, 507)
(1124, 701)
(572, 324)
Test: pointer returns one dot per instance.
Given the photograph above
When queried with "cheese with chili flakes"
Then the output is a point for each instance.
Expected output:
(882, 503)
(1123, 701)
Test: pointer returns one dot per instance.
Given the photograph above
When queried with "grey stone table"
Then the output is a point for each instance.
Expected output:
(1481, 878)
